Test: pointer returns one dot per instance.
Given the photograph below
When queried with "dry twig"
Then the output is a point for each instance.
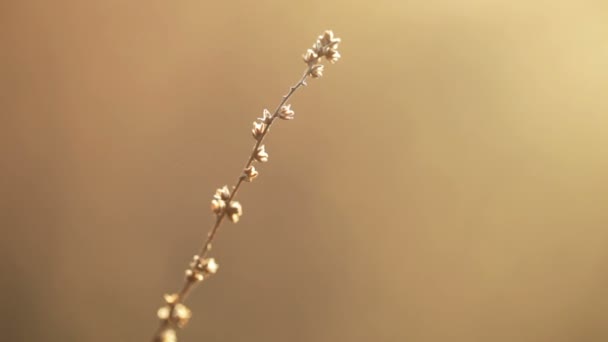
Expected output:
(174, 314)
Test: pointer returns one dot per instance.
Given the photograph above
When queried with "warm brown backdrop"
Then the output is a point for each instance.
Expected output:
(446, 181)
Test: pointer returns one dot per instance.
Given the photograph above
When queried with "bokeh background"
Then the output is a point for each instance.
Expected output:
(447, 180)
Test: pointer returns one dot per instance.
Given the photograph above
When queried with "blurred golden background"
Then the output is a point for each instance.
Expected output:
(446, 180)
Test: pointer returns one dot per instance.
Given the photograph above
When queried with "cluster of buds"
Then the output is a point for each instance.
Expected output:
(175, 313)
(221, 204)
(201, 268)
(325, 46)
(179, 315)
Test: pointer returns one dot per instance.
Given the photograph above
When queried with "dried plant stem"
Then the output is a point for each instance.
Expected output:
(207, 245)
(175, 314)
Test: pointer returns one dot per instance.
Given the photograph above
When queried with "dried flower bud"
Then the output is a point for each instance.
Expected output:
(218, 206)
(167, 335)
(181, 314)
(261, 155)
(258, 130)
(164, 312)
(334, 43)
(234, 211)
(317, 48)
(211, 266)
(250, 173)
(196, 260)
(266, 117)
(325, 50)
(328, 39)
(333, 56)
(223, 193)
(317, 71)
(327, 46)
(207, 266)
(171, 298)
(310, 56)
(194, 273)
(287, 113)
(194, 276)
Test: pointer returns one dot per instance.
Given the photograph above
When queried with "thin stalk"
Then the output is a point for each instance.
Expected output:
(206, 247)
(175, 314)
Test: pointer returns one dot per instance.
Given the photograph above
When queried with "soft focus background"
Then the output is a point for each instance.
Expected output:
(447, 180)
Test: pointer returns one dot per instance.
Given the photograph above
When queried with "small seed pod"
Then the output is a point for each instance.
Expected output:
(210, 266)
(250, 173)
(310, 56)
(317, 71)
(317, 48)
(171, 298)
(266, 117)
(181, 314)
(223, 193)
(328, 38)
(217, 206)
(194, 275)
(286, 113)
(218, 203)
(163, 313)
(333, 55)
(261, 155)
(167, 335)
(258, 130)
(234, 211)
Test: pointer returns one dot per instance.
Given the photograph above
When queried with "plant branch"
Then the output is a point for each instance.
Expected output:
(175, 314)
(207, 245)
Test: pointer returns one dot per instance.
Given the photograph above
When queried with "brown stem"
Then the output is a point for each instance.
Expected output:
(206, 247)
